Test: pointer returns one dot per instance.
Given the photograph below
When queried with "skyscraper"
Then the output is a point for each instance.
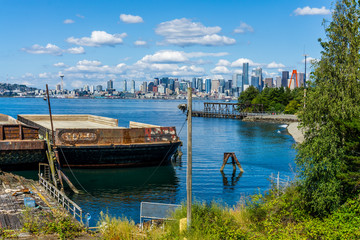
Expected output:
(245, 74)
(258, 73)
(132, 86)
(125, 86)
(110, 86)
(193, 83)
(208, 85)
(200, 84)
(284, 78)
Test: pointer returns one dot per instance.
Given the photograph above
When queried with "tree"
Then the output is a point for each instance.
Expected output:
(248, 95)
(328, 160)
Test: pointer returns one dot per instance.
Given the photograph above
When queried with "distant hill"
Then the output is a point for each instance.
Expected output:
(8, 89)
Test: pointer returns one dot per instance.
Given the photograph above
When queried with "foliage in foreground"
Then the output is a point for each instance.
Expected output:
(38, 223)
(329, 159)
(274, 215)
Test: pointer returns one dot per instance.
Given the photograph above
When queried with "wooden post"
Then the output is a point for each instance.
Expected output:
(189, 159)
(234, 161)
(51, 122)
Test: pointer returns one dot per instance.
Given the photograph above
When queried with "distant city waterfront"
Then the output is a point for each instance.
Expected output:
(167, 88)
(262, 149)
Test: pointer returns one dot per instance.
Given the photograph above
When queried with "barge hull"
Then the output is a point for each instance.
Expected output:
(117, 156)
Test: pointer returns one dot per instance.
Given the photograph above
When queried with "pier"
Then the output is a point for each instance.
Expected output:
(229, 110)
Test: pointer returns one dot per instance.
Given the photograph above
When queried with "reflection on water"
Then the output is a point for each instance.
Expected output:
(117, 190)
(233, 180)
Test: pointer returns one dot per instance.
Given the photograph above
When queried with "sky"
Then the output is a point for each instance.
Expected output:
(93, 41)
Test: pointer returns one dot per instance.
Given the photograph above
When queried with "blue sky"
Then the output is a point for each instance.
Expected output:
(93, 41)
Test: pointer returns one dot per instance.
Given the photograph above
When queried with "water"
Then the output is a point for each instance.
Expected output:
(262, 149)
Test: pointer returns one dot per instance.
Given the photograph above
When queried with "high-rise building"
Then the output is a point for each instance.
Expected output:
(200, 84)
(132, 86)
(278, 82)
(245, 74)
(92, 88)
(156, 81)
(269, 82)
(193, 83)
(208, 85)
(58, 87)
(255, 82)
(258, 73)
(99, 88)
(125, 85)
(215, 84)
(110, 86)
(284, 79)
(144, 87)
(86, 88)
(301, 79)
(150, 86)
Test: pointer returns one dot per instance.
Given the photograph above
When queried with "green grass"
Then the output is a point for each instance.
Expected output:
(272, 215)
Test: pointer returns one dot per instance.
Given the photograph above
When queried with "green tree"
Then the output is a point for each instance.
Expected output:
(328, 160)
(248, 95)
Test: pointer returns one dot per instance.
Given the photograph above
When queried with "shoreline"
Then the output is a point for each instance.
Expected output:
(291, 120)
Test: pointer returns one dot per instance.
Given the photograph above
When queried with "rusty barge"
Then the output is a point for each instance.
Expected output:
(20, 146)
(88, 141)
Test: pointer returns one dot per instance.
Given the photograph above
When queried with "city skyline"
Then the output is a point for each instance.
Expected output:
(91, 43)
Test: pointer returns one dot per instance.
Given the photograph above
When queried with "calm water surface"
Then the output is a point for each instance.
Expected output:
(262, 149)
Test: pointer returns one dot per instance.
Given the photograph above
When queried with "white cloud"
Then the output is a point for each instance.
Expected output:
(52, 50)
(87, 66)
(223, 62)
(220, 70)
(48, 49)
(275, 65)
(60, 64)
(311, 11)
(238, 71)
(205, 54)
(127, 18)
(80, 16)
(44, 75)
(68, 21)
(98, 38)
(76, 50)
(77, 84)
(241, 61)
(165, 56)
(140, 43)
(184, 32)
(310, 60)
(243, 28)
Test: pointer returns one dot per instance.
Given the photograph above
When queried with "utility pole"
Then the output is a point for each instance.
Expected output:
(189, 159)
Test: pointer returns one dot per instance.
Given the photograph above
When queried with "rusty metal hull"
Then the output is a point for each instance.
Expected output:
(20, 146)
(21, 154)
(132, 155)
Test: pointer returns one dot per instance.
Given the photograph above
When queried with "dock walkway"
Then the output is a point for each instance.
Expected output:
(13, 190)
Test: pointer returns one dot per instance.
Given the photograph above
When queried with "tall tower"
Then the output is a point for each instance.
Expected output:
(246, 73)
(62, 83)
(125, 86)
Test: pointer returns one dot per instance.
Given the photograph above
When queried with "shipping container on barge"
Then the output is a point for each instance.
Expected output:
(89, 141)
(20, 146)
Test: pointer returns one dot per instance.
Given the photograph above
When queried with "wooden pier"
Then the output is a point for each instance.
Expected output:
(228, 110)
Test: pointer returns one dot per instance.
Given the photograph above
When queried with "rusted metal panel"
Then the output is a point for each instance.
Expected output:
(74, 137)
(18, 131)
(22, 145)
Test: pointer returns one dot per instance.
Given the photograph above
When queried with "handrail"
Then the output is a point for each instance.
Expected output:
(62, 199)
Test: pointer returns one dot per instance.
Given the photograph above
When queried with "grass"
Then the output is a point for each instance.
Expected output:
(264, 216)
(42, 223)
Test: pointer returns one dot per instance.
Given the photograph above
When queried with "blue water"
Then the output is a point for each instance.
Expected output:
(262, 149)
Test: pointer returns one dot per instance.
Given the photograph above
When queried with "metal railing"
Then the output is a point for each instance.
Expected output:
(62, 199)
